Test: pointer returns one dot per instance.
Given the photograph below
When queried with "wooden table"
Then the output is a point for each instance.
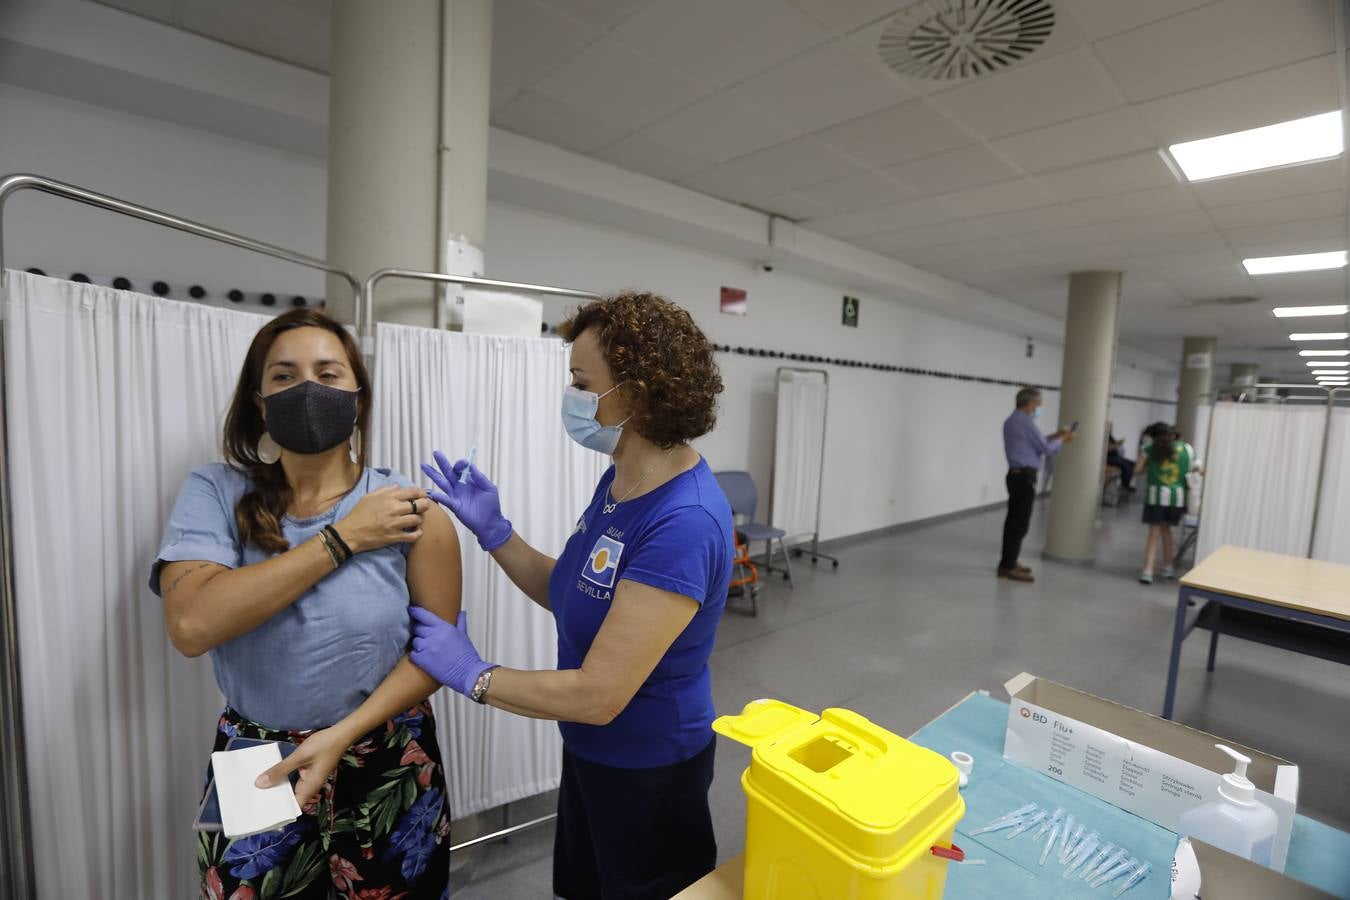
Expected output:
(1290, 602)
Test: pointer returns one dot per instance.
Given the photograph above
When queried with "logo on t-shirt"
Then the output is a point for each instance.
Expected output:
(603, 564)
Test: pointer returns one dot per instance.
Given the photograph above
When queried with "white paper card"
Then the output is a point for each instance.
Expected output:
(246, 809)
(500, 313)
(1136, 778)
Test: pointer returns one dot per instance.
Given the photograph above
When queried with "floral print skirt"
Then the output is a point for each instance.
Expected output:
(379, 829)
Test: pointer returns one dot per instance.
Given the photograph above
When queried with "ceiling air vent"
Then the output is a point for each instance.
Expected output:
(1223, 301)
(958, 40)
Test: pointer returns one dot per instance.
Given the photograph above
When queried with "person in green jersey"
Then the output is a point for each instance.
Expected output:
(1167, 460)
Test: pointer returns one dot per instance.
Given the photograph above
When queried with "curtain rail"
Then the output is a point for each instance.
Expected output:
(365, 318)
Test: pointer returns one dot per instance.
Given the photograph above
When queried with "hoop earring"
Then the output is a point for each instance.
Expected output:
(354, 446)
(268, 450)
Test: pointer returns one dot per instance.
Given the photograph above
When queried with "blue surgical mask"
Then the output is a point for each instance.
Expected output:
(578, 414)
(1036, 413)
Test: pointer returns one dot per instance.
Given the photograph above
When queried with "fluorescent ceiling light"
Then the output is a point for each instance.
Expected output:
(1288, 312)
(1320, 336)
(1324, 353)
(1299, 262)
(1282, 144)
(1322, 363)
(1339, 373)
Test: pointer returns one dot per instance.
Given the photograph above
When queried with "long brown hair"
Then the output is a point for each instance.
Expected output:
(258, 515)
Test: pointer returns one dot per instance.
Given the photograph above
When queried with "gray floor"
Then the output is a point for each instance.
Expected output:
(912, 622)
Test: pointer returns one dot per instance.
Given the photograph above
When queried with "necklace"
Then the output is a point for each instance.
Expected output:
(610, 507)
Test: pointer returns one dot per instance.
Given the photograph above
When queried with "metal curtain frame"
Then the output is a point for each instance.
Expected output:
(365, 318)
(1333, 395)
(816, 555)
(16, 858)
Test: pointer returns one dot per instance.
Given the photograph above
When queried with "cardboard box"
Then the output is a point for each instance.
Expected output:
(1143, 764)
(1224, 876)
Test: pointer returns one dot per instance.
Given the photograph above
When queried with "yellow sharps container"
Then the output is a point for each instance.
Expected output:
(841, 809)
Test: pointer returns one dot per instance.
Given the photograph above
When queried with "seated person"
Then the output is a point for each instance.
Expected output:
(1116, 459)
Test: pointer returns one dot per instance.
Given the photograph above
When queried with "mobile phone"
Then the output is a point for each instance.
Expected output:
(208, 814)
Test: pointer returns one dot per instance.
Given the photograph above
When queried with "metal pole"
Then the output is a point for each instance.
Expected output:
(366, 318)
(14, 183)
(504, 833)
(17, 854)
(1321, 470)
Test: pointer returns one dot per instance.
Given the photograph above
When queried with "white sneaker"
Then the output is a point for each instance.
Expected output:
(1169, 574)
(1145, 577)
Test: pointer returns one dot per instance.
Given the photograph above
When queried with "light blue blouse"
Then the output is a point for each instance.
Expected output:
(317, 660)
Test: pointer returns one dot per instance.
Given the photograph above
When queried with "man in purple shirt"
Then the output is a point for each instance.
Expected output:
(1025, 447)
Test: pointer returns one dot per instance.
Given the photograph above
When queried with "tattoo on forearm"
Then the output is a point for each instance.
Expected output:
(185, 573)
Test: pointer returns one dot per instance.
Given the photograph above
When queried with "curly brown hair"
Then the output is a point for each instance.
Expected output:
(662, 361)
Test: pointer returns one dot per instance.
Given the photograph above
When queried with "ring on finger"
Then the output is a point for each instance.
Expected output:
(414, 506)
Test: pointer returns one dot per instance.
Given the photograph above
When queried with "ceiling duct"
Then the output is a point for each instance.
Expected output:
(961, 40)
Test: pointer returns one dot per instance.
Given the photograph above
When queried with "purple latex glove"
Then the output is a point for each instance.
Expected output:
(475, 502)
(444, 651)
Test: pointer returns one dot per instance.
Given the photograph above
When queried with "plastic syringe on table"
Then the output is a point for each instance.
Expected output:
(1080, 855)
(1139, 875)
(1007, 820)
(1112, 874)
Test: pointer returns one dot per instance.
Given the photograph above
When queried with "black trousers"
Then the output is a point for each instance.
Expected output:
(633, 834)
(1021, 498)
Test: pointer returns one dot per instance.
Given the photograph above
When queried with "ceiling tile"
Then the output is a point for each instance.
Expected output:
(1189, 222)
(1076, 236)
(796, 163)
(1312, 287)
(719, 128)
(1229, 282)
(1154, 244)
(1307, 236)
(1031, 96)
(599, 13)
(1154, 202)
(953, 170)
(996, 198)
(718, 43)
(502, 94)
(1278, 95)
(618, 85)
(290, 32)
(1173, 266)
(908, 131)
(1100, 18)
(1280, 209)
(1305, 179)
(1139, 291)
(555, 123)
(1046, 218)
(794, 205)
(1136, 172)
(530, 39)
(820, 88)
(891, 217)
(1216, 42)
(640, 153)
(926, 236)
(846, 15)
(734, 185)
(856, 192)
(1079, 141)
(165, 11)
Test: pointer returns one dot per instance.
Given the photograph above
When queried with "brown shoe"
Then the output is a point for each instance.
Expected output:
(1016, 575)
(1025, 570)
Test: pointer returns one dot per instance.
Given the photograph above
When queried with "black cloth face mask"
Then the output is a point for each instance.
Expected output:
(311, 417)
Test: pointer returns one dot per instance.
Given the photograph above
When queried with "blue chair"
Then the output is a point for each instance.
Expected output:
(744, 499)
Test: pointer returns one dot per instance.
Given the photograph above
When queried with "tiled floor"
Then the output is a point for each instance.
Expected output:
(912, 622)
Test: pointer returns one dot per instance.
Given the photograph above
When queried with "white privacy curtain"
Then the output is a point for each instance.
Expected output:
(112, 398)
(1261, 477)
(446, 391)
(798, 446)
(1333, 515)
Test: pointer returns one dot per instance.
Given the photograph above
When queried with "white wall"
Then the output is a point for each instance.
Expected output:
(900, 448)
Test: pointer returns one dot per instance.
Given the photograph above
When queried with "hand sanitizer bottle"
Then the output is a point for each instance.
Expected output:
(1237, 821)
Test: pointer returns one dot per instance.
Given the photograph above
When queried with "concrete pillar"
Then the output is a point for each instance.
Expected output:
(1085, 397)
(408, 125)
(1197, 382)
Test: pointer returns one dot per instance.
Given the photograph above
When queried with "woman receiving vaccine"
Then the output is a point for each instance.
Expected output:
(637, 594)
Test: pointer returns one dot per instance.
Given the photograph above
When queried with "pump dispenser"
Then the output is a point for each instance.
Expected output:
(1236, 821)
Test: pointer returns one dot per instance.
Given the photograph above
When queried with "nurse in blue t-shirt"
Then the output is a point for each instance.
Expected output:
(637, 595)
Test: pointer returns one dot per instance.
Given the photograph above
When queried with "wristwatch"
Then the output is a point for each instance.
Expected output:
(480, 687)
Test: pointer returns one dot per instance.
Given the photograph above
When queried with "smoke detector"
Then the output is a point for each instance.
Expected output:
(960, 40)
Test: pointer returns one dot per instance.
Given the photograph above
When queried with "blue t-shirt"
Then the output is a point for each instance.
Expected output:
(677, 538)
(319, 658)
